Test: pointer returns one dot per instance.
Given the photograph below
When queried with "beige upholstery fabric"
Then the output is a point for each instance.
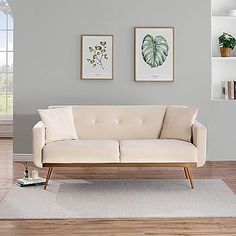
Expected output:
(38, 142)
(157, 151)
(178, 123)
(81, 151)
(199, 140)
(118, 122)
(59, 124)
(98, 128)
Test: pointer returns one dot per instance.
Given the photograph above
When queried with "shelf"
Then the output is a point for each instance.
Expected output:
(224, 58)
(224, 100)
(220, 17)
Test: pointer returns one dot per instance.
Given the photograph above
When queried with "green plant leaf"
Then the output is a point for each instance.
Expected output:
(103, 43)
(154, 50)
(227, 41)
(98, 47)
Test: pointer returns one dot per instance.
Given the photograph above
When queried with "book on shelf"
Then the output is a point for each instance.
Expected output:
(234, 89)
(229, 90)
(225, 89)
(30, 182)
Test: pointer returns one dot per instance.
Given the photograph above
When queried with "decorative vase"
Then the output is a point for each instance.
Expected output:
(26, 171)
(226, 52)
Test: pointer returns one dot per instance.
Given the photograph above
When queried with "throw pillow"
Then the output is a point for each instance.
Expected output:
(59, 124)
(178, 122)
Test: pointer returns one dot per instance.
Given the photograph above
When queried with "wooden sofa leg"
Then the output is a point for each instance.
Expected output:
(190, 176)
(48, 176)
(185, 173)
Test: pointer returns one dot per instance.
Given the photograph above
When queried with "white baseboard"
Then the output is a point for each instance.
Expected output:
(6, 129)
(23, 157)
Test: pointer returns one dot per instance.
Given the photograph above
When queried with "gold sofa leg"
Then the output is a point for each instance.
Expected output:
(48, 176)
(189, 174)
(185, 173)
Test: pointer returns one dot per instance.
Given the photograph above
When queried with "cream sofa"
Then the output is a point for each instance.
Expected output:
(120, 136)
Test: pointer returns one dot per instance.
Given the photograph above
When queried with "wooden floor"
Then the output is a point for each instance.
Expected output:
(127, 227)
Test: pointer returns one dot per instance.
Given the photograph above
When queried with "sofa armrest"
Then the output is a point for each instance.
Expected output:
(199, 140)
(39, 141)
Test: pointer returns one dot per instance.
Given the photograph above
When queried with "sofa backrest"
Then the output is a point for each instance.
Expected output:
(118, 122)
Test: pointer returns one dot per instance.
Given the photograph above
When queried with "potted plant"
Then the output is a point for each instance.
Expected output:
(227, 43)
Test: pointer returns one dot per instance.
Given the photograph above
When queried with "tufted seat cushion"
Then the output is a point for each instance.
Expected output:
(81, 151)
(157, 151)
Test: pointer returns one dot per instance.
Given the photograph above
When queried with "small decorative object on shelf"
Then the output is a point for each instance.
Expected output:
(229, 90)
(231, 12)
(26, 171)
(227, 43)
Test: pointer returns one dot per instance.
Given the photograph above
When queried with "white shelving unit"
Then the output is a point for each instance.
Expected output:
(224, 58)
(224, 17)
(223, 68)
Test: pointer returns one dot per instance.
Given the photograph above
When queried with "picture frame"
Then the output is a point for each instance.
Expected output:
(97, 56)
(154, 53)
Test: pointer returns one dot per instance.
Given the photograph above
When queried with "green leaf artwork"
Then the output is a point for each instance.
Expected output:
(98, 55)
(154, 50)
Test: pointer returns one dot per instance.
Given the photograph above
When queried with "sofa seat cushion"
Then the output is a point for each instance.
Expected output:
(81, 151)
(157, 151)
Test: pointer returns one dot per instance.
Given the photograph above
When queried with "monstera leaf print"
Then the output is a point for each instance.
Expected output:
(154, 50)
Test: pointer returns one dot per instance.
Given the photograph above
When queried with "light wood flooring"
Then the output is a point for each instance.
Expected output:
(125, 227)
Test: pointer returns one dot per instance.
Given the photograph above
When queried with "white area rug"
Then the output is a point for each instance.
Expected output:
(119, 199)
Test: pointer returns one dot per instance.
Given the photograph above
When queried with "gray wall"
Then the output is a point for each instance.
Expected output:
(47, 62)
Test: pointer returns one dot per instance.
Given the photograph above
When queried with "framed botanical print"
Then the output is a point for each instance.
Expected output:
(154, 54)
(97, 57)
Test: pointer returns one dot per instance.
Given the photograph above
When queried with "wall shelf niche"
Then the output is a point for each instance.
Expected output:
(222, 68)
